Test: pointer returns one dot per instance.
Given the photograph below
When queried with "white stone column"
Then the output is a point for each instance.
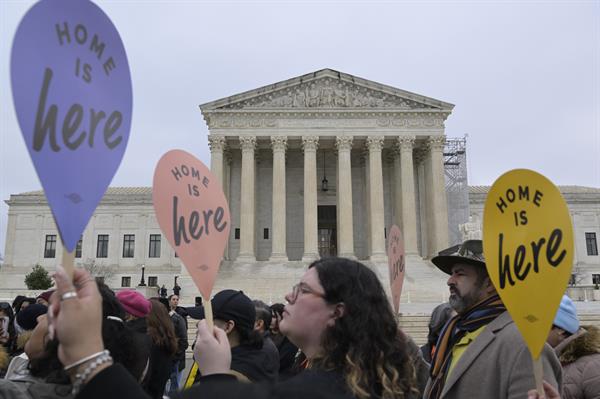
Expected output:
(367, 207)
(11, 242)
(227, 191)
(397, 187)
(439, 206)
(87, 243)
(41, 237)
(311, 250)
(409, 212)
(115, 248)
(423, 233)
(344, 197)
(375, 144)
(217, 146)
(247, 200)
(227, 159)
(278, 229)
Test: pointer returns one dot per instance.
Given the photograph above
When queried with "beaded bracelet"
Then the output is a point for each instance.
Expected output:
(80, 378)
(86, 359)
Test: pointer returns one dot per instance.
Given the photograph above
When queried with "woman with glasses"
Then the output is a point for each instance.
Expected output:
(338, 314)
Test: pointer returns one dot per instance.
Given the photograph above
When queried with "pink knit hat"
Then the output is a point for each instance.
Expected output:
(134, 303)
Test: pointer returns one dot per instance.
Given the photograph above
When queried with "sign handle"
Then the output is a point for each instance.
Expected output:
(538, 372)
(208, 313)
(208, 316)
(67, 262)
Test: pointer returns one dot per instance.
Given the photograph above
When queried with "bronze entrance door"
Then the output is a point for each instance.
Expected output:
(327, 230)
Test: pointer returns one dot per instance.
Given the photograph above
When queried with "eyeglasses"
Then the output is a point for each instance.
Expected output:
(304, 289)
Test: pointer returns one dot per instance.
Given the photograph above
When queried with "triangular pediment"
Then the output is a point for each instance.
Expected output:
(326, 89)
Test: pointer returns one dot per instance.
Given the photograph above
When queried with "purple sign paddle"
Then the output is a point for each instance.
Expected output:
(72, 92)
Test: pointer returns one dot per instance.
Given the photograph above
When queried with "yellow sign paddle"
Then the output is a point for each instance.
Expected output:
(528, 247)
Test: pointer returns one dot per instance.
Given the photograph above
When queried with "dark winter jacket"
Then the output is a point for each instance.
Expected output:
(181, 334)
(158, 372)
(287, 358)
(271, 357)
(579, 355)
(254, 363)
(439, 317)
(144, 342)
(114, 382)
(420, 365)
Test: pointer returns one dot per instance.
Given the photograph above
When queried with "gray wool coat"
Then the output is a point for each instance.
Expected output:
(497, 364)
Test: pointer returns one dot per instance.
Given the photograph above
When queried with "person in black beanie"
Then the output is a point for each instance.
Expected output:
(235, 314)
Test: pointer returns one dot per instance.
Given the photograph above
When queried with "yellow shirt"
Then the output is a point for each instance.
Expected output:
(461, 346)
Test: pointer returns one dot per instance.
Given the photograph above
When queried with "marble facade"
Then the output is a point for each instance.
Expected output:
(380, 152)
(273, 147)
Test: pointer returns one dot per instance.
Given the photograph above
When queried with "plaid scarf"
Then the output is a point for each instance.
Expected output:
(474, 318)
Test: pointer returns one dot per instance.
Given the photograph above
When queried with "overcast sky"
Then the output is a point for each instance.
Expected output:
(524, 76)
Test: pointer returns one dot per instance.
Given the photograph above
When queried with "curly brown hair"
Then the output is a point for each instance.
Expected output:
(365, 344)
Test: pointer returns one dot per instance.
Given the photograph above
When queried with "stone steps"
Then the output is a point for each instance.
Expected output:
(416, 326)
(589, 319)
(271, 281)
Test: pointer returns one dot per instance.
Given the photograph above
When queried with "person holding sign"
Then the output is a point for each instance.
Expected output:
(480, 352)
(338, 314)
(234, 313)
(339, 317)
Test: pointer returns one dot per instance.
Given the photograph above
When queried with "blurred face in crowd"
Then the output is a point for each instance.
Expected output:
(275, 319)
(4, 320)
(556, 336)
(36, 345)
(465, 288)
(174, 302)
(307, 315)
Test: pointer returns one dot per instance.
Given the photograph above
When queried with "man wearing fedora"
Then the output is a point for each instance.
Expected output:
(480, 352)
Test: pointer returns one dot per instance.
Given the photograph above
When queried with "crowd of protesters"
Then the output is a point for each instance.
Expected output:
(336, 337)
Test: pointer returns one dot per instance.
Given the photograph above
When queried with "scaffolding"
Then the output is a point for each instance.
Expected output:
(457, 186)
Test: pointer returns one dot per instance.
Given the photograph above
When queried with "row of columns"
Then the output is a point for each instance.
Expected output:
(404, 195)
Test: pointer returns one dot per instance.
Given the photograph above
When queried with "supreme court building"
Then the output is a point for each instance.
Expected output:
(323, 164)
(318, 165)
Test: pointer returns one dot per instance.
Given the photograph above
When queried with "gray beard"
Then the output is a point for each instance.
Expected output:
(461, 303)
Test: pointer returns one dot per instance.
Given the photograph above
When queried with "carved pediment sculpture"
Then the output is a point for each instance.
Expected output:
(327, 93)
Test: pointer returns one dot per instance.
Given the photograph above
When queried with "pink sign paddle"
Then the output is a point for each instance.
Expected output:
(396, 263)
(192, 212)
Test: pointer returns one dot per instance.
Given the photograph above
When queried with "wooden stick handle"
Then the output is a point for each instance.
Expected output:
(68, 262)
(538, 372)
(208, 313)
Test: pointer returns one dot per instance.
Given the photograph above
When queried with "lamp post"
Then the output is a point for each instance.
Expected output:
(324, 186)
(142, 282)
(176, 287)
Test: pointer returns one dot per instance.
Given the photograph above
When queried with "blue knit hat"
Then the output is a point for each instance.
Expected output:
(566, 317)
